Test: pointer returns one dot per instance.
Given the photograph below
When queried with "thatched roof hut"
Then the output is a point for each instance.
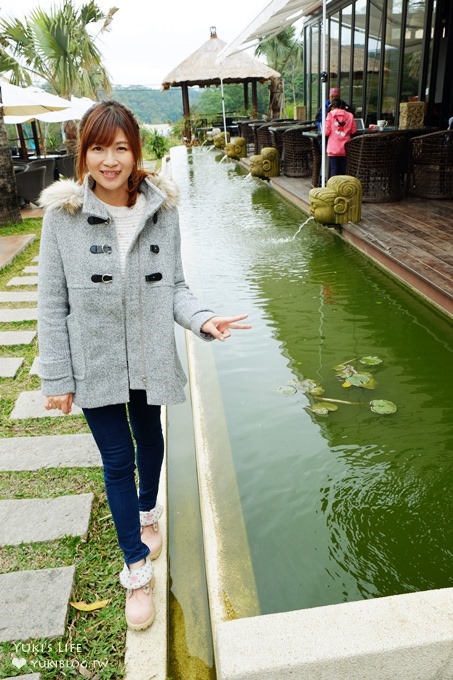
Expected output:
(201, 68)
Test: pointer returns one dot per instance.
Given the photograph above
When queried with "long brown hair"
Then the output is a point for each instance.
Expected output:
(99, 126)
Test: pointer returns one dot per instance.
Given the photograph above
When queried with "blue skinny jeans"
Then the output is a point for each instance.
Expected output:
(115, 440)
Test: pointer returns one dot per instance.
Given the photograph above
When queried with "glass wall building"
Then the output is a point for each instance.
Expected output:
(381, 53)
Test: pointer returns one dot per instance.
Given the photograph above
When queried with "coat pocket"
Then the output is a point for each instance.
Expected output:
(76, 347)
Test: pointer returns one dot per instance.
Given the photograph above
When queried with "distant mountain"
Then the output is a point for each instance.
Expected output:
(154, 106)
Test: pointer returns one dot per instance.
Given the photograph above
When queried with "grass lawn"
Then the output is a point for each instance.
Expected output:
(94, 642)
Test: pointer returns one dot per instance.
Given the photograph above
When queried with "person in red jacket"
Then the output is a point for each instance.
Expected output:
(340, 126)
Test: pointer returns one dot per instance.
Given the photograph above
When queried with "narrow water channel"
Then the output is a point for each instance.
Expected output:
(337, 507)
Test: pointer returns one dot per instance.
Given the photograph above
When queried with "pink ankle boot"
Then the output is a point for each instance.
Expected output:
(139, 582)
(151, 534)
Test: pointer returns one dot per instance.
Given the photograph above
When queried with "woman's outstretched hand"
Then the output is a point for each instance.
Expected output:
(62, 402)
(219, 326)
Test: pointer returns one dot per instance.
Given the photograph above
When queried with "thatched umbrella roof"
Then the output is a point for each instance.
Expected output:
(201, 68)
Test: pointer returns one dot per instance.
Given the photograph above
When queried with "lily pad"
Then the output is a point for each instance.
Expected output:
(383, 406)
(345, 371)
(308, 385)
(328, 405)
(370, 361)
(319, 409)
(359, 379)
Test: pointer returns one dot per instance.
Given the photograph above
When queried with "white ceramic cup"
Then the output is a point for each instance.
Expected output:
(382, 124)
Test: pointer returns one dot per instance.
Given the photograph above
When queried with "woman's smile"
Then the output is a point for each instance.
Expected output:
(110, 167)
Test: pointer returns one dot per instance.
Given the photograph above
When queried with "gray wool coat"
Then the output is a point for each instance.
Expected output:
(102, 332)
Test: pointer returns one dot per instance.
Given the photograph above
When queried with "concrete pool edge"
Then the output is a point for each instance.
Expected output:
(402, 637)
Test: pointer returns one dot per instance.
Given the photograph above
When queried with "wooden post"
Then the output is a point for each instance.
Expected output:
(186, 110)
(254, 99)
(22, 146)
(246, 95)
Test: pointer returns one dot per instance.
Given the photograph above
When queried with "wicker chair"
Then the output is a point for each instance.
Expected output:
(49, 164)
(265, 134)
(297, 158)
(246, 131)
(30, 183)
(66, 166)
(430, 172)
(376, 159)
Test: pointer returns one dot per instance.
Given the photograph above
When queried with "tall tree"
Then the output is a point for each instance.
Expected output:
(58, 48)
(9, 207)
(284, 53)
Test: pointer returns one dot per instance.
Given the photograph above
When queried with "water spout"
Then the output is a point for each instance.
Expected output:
(302, 226)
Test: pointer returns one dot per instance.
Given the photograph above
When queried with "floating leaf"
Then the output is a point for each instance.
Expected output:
(328, 405)
(317, 391)
(307, 385)
(346, 384)
(370, 361)
(383, 406)
(370, 385)
(360, 379)
(319, 409)
(346, 371)
(84, 607)
(287, 389)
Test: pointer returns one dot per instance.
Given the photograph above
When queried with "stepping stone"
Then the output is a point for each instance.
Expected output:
(26, 296)
(33, 520)
(21, 314)
(16, 337)
(23, 281)
(35, 453)
(31, 269)
(10, 366)
(33, 604)
(36, 258)
(35, 366)
(31, 405)
(10, 246)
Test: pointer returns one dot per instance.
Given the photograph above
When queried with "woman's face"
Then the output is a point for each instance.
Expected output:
(110, 167)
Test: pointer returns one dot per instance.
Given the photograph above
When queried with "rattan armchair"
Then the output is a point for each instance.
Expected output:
(377, 159)
(66, 166)
(49, 163)
(430, 172)
(246, 131)
(297, 152)
(30, 183)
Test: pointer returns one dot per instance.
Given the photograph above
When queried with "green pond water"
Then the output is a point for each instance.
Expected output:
(341, 507)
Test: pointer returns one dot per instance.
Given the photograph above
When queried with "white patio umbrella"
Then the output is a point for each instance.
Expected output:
(29, 101)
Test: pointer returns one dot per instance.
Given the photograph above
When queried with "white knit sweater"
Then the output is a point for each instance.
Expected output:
(126, 221)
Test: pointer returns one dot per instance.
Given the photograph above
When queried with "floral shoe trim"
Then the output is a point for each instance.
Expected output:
(149, 517)
(132, 579)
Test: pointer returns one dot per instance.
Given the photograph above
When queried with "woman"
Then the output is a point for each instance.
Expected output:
(340, 125)
(111, 286)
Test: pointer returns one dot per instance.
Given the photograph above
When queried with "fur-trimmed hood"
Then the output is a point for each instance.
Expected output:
(68, 195)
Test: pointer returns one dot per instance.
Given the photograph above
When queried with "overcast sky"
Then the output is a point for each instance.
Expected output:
(148, 39)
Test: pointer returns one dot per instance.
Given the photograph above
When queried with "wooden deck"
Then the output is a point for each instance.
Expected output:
(412, 239)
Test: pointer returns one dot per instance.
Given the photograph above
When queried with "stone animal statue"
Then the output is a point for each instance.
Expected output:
(210, 134)
(339, 202)
(219, 140)
(237, 148)
(265, 164)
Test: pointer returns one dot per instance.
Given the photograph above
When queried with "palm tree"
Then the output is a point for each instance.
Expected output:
(9, 207)
(284, 53)
(58, 48)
